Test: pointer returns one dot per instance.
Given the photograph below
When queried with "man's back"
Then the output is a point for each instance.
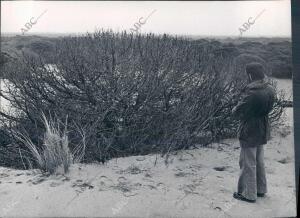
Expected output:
(263, 97)
(256, 101)
(252, 110)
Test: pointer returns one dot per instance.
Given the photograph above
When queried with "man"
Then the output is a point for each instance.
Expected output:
(256, 102)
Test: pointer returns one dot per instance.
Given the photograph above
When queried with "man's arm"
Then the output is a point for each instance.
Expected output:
(243, 107)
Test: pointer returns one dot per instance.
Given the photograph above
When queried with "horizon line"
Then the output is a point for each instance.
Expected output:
(188, 35)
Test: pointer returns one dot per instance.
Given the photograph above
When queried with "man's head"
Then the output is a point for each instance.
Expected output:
(255, 71)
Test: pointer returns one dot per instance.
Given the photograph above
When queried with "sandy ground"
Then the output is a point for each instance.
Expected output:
(197, 182)
(194, 183)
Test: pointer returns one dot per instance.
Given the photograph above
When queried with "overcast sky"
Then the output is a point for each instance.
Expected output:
(183, 18)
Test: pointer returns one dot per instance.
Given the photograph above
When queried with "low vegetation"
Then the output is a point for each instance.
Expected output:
(123, 94)
(54, 155)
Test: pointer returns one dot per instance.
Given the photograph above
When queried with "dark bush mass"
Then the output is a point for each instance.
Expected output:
(130, 94)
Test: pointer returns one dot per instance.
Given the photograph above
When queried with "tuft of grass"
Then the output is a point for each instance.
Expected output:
(56, 148)
(55, 154)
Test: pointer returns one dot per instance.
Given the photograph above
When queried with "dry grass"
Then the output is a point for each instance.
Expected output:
(55, 156)
(56, 148)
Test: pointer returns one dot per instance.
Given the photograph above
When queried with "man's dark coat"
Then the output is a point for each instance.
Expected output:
(256, 102)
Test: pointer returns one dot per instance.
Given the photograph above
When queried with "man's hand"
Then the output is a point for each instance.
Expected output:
(234, 109)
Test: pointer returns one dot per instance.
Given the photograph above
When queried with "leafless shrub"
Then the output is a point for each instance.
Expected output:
(133, 94)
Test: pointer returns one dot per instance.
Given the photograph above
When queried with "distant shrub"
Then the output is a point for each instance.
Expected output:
(277, 56)
(281, 69)
(4, 58)
(40, 46)
(280, 59)
(19, 47)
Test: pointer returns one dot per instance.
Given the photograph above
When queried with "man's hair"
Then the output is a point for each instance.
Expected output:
(256, 70)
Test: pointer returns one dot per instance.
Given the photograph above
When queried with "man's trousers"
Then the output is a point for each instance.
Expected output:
(252, 178)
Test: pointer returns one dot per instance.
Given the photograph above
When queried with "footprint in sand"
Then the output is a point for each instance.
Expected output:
(196, 166)
(104, 183)
(62, 178)
(285, 160)
(55, 184)
(122, 179)
(37, 180)
(140, 158)
(183, 174)
(3, 175)
(151, 187)
(148, 175)
(189, 170)
(177, 169)
(81, 186)
(127, 188)
(162, 186)
(149, 183)
(221, 168)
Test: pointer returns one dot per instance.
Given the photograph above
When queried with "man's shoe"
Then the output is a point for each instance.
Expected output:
(261, 195)
(240, 197)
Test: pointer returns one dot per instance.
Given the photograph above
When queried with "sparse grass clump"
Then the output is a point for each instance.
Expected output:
(55, 153)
